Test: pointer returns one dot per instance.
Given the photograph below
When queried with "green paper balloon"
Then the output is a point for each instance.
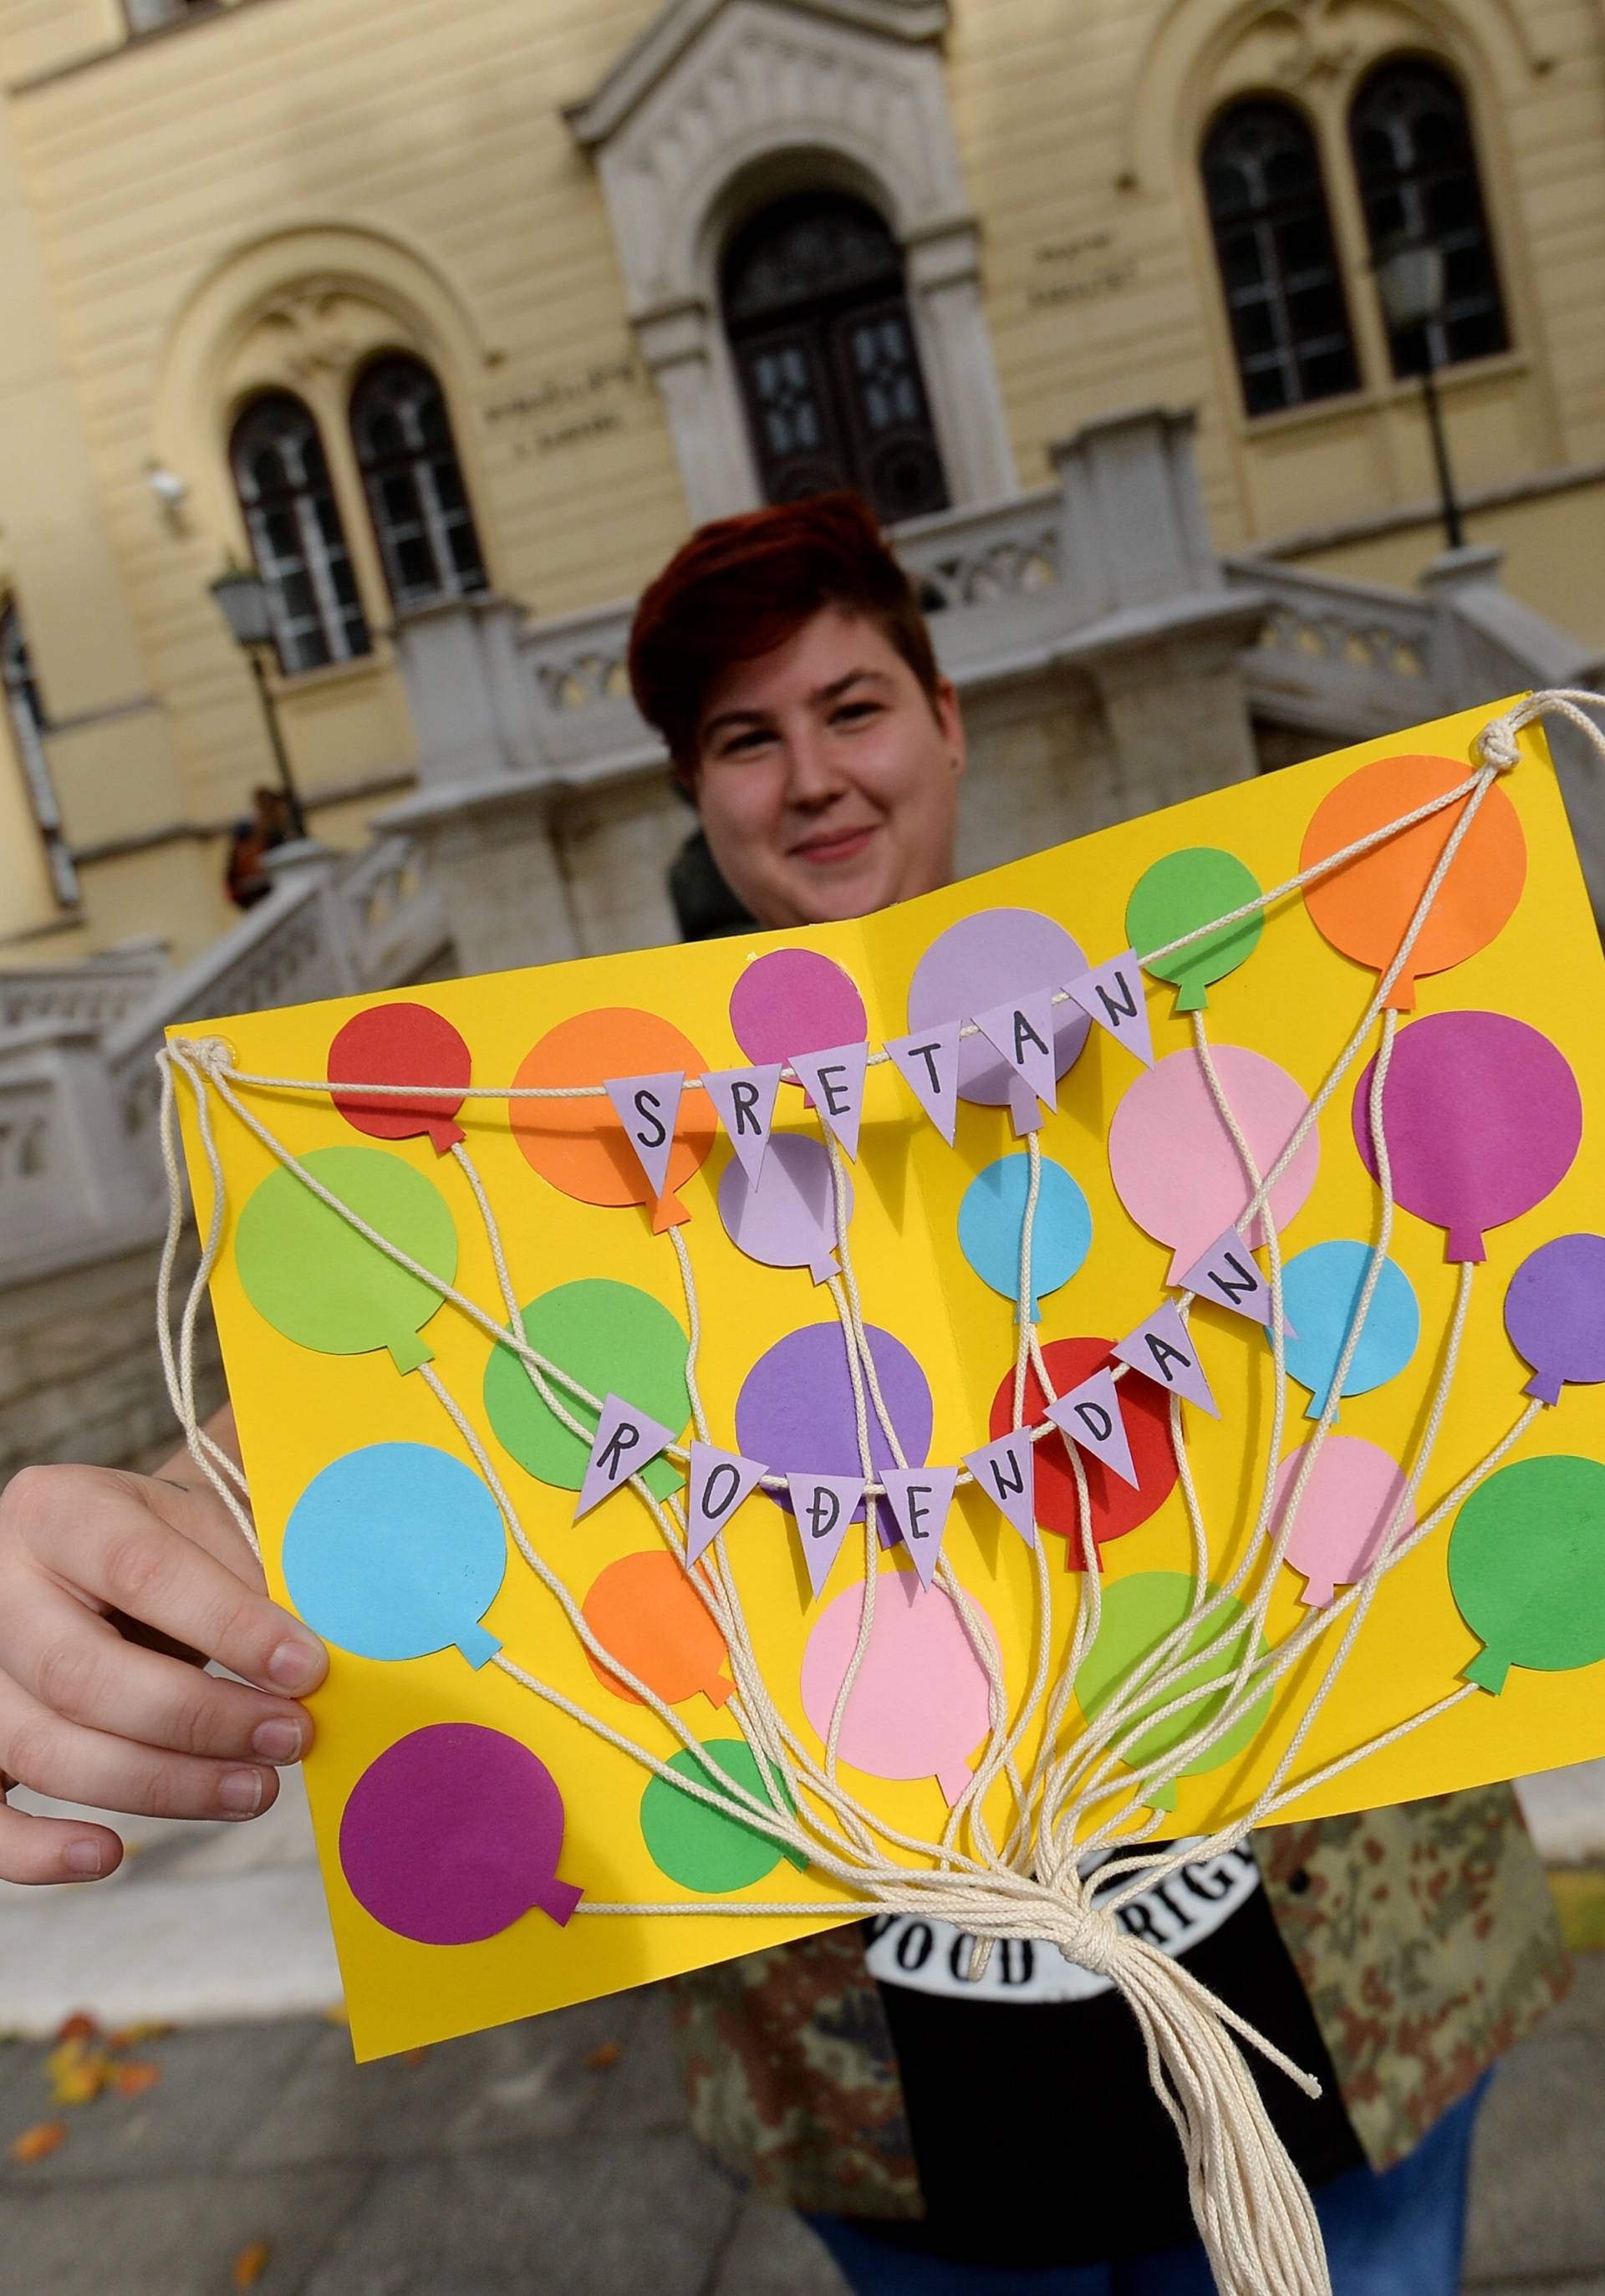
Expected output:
(1138, 1614)
(1177, 895)
(324, 1285)
(613, 1339)
(700, 1848)
(1526, 1566)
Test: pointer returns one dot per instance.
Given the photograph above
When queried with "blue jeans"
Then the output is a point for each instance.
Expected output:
(1396, 2233)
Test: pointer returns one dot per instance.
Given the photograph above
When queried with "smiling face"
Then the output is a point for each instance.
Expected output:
(827, 785)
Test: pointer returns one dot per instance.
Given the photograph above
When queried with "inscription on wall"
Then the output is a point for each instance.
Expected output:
(1079, 268)
(563, 409)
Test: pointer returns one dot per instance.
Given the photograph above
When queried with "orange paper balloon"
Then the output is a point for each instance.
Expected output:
(579, 1145)
(648, 1614)
(1365, 908)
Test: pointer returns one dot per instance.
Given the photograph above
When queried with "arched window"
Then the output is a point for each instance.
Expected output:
(1273, 244)
(416, 493)
(1417, 172)
(26, 713)
(818, 327)
(296, 536)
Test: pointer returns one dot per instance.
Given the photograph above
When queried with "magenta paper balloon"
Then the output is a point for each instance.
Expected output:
(984, 961)
(1344, 1515)
(1176, 1168)
(453, 1833)
(1554, 1312)
(1482, 1117)
(793, 1000)
(919, 1707)
(788, 1218)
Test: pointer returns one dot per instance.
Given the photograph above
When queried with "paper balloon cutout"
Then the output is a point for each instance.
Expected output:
(1364, 908)
(795, 1408)
(1178, 894)
(793, 1000)
(579, 1145)
(614, 1340)
(320, 1282)
(1176, 1166)
(1346, 1513)
(786, 1218)
(703, 1849)
(986, 960)
(1138, 1614)
(992, 1220)
(1321, 1295)
(1114, 1505)
(1482, 1117)
(397, 1550)
(453, 1834)
(1555, 1314)
(645, 1610)
(919, 1707)
(1527, 1565)
(401, 1043)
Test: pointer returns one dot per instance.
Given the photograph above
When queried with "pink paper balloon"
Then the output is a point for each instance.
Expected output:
(1176, 1166)
(919, 1707)
(793, 1000)
(1342, 1517)
(1482, 1117)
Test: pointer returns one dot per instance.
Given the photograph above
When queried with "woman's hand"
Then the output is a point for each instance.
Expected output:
(115, 1589)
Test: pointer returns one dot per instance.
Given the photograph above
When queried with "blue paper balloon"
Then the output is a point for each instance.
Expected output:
(992, 1217)
(395, 1550)
(1321, 1291)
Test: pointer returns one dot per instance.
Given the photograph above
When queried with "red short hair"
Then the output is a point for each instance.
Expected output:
(742, 586)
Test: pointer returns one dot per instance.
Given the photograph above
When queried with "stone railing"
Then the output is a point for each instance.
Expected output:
(1342, 658)
(95, 994)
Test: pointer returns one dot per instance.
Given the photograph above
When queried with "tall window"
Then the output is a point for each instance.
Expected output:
(416, 493)
(26, 713)
(818, 327)
(1417, 171)
(296, 535)
(1273, 244)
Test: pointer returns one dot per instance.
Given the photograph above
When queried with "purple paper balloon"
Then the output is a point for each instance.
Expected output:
(788, 1219)
(1554, 1312)
(1482, 1117)
(453, 1833)
(795, 1410)
(980, 962)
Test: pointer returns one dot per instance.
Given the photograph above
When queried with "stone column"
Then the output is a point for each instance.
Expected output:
(471, 703)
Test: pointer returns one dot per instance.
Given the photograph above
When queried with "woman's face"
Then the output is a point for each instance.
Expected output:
(826, 786)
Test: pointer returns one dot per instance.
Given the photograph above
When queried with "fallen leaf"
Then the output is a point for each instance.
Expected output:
(129, 2037)
(337, 2013)
(414, 2056)
(607, 2054)
(81, 2028)
(252, 2262)
(76, 2072)
(35, 2143)
(134, 2078)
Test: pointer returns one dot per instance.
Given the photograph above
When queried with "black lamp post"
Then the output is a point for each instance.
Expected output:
(245, 606)
(1410, 281)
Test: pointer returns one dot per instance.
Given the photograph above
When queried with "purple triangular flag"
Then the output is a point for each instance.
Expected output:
(1006, 1471)
(646, 1107)
(834, 1081)
(1023, 1032)
(716, 1484)
(919, 1498)
(1112, 995)
(1090, 1416)
(928, 1063)
(823, 1506)
(626, 1440)
(1227, 1276)
(1162, 1351)
(744, 1099)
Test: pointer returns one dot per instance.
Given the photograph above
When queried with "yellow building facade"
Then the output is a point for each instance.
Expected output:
(407, 302)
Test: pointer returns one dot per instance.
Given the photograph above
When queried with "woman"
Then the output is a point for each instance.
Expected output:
(941, 2140)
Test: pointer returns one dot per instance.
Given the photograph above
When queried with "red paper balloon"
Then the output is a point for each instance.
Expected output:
(401, 1043)
(1115, 1507)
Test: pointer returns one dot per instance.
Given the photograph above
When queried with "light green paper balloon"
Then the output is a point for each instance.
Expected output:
(1177, 895)
(700, 1848)
(1137, 1612)
(613, 1339)
(325, 1286)
(1526, 1566)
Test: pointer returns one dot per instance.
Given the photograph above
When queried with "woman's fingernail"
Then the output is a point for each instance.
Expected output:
(278, 1741)
(84, 1858)
(241, 1792)
(293, 1664)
